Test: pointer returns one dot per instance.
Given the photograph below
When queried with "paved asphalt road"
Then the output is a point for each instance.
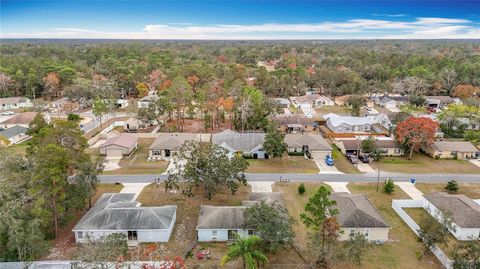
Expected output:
(368, 177)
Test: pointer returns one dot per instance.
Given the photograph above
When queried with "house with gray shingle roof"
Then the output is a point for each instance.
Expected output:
(356, 214)
(313, 144)
(15, 134)
(166, 144)
(249, 144)
(120, 213)
(460, 209)
(119, 146)
(14, 103)
(451, 150)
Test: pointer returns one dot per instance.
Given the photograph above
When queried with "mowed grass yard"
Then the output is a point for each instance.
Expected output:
(287, 164)
(19, 148)
(137, 163)
(342, 163)
(471, 190)
(399, 253)
(423, 164)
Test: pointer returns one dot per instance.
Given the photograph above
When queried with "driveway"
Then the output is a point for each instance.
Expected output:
(338, 186)
(265, 186)
(410, 189)
(136, 188)
(324, 168)
(111, 164)
(365, 167)
(475, 162)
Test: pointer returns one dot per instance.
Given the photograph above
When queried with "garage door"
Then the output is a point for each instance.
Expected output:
(114, 153)
(320, 155)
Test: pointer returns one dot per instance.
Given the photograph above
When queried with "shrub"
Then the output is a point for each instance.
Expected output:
(301, 189)
(295, 153)
(452, 186)
(388, 186)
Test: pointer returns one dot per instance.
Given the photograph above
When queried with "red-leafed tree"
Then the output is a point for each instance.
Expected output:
(414, 132)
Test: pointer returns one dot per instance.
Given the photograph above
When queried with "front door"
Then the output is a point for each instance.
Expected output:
(232, 235)
(167, 153)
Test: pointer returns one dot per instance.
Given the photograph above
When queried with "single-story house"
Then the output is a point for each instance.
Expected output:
(282, 102)
(221, 223)
(275, 198)
(356, 214)
(348, 124)
(167, 144)
(451, 149)
(387, 147)
(441, 101)
(460, 209)
(14, 103)
(311, 101)
(296, 123)
(342, 101)
(131, 125)
(122, 103)
(120, 213)
(22, 119)
(15, 134)
(391, 101)
(247, 144)
(313, 144)
(119, 146)
(145, 102)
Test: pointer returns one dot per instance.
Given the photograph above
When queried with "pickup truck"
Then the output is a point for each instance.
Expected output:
(352, 158)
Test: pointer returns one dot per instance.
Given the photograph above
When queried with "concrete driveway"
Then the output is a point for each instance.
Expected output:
(475, 162)
(136, 188)
(111, 164)
(324, 168)
(265, 186)
(410, 189)
(365, 167)
(338, 186)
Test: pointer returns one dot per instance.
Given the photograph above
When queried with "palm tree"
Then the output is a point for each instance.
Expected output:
(246, 249)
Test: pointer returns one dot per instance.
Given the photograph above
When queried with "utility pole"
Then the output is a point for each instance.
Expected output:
(378, 178)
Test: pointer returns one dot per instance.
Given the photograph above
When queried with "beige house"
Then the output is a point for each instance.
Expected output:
(22, 119)
(131, 125)
(313, 144)
(387, 147)
(451, 150)
(168, 143)
(14, 103)
(356, 214)
(296, 123)
(118, 146)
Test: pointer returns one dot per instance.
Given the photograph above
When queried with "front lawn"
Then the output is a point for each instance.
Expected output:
(342, 163)
(340, 110)
(287, 164)
(423, 164)
(471, 190)
(137, 163)
(19, 148)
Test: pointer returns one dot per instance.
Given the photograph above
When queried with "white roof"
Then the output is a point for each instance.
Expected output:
(336, 120)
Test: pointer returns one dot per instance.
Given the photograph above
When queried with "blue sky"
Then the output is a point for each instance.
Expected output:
(352, 19)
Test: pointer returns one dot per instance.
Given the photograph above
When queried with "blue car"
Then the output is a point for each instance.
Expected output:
(329, 160)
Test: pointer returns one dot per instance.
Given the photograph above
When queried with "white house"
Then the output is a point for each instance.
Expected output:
(460, 209)
(391, 101)
(356, 214)
(147, 100)
(311, 101)
(348, 124)
(248, 144)
(221, 223)
(120, 213)
(14, 103)
(15, 134)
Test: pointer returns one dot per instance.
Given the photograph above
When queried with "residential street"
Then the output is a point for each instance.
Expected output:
(368, 177)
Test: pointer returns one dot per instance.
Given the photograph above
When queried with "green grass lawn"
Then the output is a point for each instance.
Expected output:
(287, 164)
(19, 148)
(471, 190)
(342, 163)
(421, 163)
(340, 110)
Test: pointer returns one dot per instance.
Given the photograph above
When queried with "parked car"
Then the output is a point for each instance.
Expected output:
(7, 113)
(365, 158)
(329, 160)
(352, 158)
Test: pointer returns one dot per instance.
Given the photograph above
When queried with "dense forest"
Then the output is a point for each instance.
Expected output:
(76, 69)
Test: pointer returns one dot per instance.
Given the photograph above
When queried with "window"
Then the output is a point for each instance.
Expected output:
(156, 152)
(132, 235)
(397, 151)
(214, 233)
(352, 232)
(80, 235)
(366, 233)
(250, 232)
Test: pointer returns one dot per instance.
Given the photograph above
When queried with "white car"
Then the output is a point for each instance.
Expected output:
(7, 113)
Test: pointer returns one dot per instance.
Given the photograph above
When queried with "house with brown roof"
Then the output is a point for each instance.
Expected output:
(296, 123)
(460, 209)
(356, 214)
(119, 146)
(22, 119)
(311, 101)
(451, 150)
(14, 103)
(312, 144)
(387, 147)
(167, 144)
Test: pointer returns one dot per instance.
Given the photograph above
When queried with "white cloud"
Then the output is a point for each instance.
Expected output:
(421, 28)
(389, 15)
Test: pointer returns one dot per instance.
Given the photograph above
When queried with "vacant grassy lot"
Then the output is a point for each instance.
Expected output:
(342, 163)
(471, 190)
(421, 163)
(287, 164)
(137, 163)
(340, 110)
(401, 251)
